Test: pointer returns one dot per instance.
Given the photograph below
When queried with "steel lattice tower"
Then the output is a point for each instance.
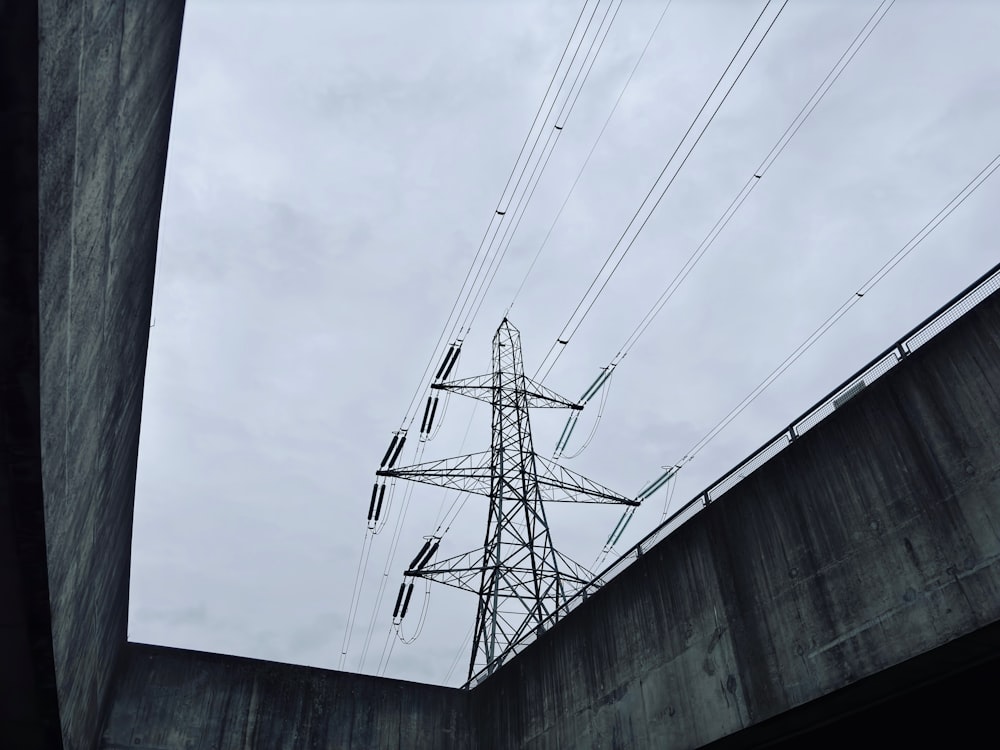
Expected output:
(520, 577)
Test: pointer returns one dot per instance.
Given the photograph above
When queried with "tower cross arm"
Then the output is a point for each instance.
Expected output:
(558, 484)
(541, 397)
(479, 387)
(461, 571)
(465, 572)
(483, 388)
(468, 473)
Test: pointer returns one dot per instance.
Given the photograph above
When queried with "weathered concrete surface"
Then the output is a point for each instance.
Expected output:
(106, 81)
(169, 698)
(86, 90)
(874, 538)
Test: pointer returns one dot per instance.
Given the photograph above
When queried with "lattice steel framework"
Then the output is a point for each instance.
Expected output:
(521, 579)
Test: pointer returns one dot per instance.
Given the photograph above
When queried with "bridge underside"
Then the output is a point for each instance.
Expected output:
(944, 698)
(853, 581)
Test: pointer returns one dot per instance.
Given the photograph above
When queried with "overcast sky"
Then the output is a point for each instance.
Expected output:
(332, 168)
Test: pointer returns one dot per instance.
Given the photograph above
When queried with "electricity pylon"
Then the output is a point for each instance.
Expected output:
(521, 579)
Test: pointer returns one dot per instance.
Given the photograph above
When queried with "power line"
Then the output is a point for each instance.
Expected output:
(741, 196)
(543, 161)
(498, 216)
(460, 653)
(959, 198)
(779, 146)
(748, 187)
(925, 231)
(586, 161)
(573, 323)
(438, 534)
(366, 548)
(390, 558)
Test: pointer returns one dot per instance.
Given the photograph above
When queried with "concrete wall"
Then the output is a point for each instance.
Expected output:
(942, 698)
(106, 73)
(872, 539)
(169, 698)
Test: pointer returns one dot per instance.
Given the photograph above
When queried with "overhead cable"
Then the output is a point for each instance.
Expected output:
(390, 558)
(499, 215)
(648, 205)
(984, 174)
(754, 179)
(593, 147)
(744, 192)
(959, 198)
(543, 161)
(366, 548)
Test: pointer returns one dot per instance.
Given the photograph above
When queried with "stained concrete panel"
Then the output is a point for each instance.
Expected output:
(872, 539)
(105, 91)
(170, 698)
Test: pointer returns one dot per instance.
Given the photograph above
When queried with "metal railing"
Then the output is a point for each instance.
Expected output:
(958, 306)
